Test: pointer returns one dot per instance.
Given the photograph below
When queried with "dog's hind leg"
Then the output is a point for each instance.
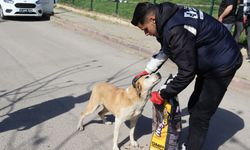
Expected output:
(90, 109)
(102, 115)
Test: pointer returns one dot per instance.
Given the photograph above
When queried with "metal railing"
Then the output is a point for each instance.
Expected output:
(124, 8)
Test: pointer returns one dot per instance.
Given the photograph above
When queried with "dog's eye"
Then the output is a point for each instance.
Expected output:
(146, 77)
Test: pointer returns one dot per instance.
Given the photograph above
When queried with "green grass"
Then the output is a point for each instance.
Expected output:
(125, 10)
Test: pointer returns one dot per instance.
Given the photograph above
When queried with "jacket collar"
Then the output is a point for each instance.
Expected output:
(163, 13)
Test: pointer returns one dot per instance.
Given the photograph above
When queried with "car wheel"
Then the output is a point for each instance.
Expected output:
(45, 17)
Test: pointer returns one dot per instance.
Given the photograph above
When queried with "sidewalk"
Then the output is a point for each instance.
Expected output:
(120, 32)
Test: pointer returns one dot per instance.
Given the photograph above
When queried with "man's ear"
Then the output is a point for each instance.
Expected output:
(152, 18)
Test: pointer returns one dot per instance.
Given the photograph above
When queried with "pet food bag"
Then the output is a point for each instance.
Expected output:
(166, 126)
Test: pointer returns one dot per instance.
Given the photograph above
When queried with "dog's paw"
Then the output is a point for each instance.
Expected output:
(80, 128)
(134, 144)
(115, 147)
(108, 123)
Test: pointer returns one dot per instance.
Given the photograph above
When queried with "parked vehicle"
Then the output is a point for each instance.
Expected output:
(26, 8)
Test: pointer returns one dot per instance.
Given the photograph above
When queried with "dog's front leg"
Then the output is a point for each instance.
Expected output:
(133, 122)
(80, 125)
(118, 123)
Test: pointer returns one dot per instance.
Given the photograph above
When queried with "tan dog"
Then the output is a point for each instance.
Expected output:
(125, 104)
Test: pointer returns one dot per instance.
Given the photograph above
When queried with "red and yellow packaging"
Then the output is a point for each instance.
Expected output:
(167, 126)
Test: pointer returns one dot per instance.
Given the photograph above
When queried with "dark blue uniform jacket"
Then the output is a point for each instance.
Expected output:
(206, 48)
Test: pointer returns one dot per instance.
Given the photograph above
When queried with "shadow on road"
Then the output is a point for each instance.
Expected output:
(42, 86)
(143, 127)
(29, 117)
(223, 126)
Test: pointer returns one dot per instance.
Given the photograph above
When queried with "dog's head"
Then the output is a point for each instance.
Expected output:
(145, 84)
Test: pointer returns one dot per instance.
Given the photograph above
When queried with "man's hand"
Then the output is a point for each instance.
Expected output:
(156, 98)
(138, 77)
(143, 73)
(227, 10)
(220, 19)
(244, 20)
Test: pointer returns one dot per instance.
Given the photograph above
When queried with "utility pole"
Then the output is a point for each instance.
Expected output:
(211, 7)
(91, 5)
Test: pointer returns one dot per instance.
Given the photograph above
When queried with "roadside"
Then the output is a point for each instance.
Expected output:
(119, 31)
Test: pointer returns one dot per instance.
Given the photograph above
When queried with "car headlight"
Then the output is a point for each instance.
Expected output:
(9, 1)
(38, 2)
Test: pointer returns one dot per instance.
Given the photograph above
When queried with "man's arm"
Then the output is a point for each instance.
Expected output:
(228, 9)
(182, 42)
(153, 65)
(156, 62)
(183, 53)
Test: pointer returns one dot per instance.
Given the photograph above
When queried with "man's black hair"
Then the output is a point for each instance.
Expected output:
(141, 11)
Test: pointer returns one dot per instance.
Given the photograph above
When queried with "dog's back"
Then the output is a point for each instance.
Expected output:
(103, 92)
(111, 97)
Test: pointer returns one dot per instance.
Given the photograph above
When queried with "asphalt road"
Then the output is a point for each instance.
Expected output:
(47, 73)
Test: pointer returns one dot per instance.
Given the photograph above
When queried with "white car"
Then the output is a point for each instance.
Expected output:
(26, 8)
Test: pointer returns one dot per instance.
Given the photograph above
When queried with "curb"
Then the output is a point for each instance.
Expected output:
(237, 83)
(96, 34)
(100, 36)
(97, 15)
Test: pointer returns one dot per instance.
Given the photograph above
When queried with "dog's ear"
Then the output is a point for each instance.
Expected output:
(138, 88)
